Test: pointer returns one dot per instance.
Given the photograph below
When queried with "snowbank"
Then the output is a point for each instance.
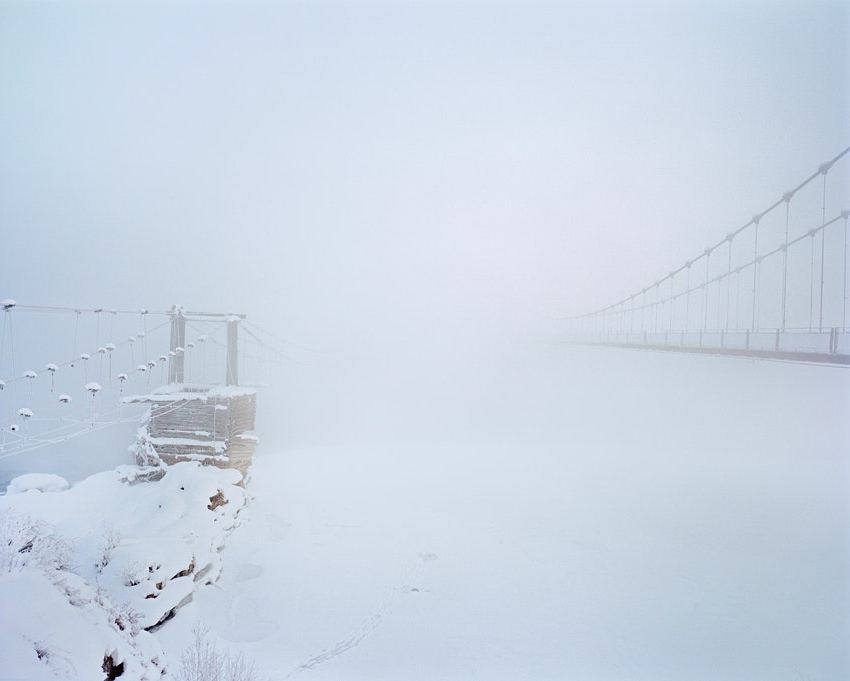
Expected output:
(41, 482)
(139, 541)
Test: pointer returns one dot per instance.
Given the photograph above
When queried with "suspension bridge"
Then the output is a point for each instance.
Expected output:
(187, 378)
(774, 287)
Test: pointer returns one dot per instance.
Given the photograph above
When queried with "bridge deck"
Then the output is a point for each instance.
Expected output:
(784, 355)
(831, 346)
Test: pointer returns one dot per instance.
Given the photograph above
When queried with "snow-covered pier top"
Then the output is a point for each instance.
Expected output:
(210, 424)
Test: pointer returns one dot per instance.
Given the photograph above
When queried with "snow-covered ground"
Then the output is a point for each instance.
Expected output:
(628, 516)
(579, 514)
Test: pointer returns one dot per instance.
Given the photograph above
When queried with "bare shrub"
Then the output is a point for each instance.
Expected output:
(111, 540)
(133, 574)
(202, 661)
(126, 619)
(25, 542)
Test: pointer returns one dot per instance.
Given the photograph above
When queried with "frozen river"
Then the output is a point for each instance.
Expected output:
(614, 515)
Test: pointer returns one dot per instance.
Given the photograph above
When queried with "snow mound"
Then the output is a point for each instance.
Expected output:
(41, 482)
(139, 539)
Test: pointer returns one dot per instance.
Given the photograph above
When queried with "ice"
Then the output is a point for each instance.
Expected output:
(543, 542)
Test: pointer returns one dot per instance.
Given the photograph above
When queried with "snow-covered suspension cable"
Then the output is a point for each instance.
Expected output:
(844, 215)
(97, 327)
(82, 310)
(2, 341)
(705, 291)
(66, 423)
(77, 314)
(87, 356)
(753, 222)
(650, 305)
(737, 299)
(730, 238)
(787, 199)
(143, 313)
(8, 306)
(94, 388)
(670, 321)
(824, 171)
(110, 348)
(811, 278)
(2, 350)
(39, 442)
(92, 425)
(281, 341)
(247, 327)
(2, 382)
(202, 339)
(52, 368)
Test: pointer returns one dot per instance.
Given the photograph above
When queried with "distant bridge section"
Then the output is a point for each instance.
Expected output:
(774, 287)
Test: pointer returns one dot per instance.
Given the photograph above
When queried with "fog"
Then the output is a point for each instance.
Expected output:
(370, 178)
(409, 199)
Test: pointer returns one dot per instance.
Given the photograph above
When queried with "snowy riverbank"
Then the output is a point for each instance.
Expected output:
(87, 573)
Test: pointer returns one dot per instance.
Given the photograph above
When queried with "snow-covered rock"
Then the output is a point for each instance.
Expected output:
(41, 482)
